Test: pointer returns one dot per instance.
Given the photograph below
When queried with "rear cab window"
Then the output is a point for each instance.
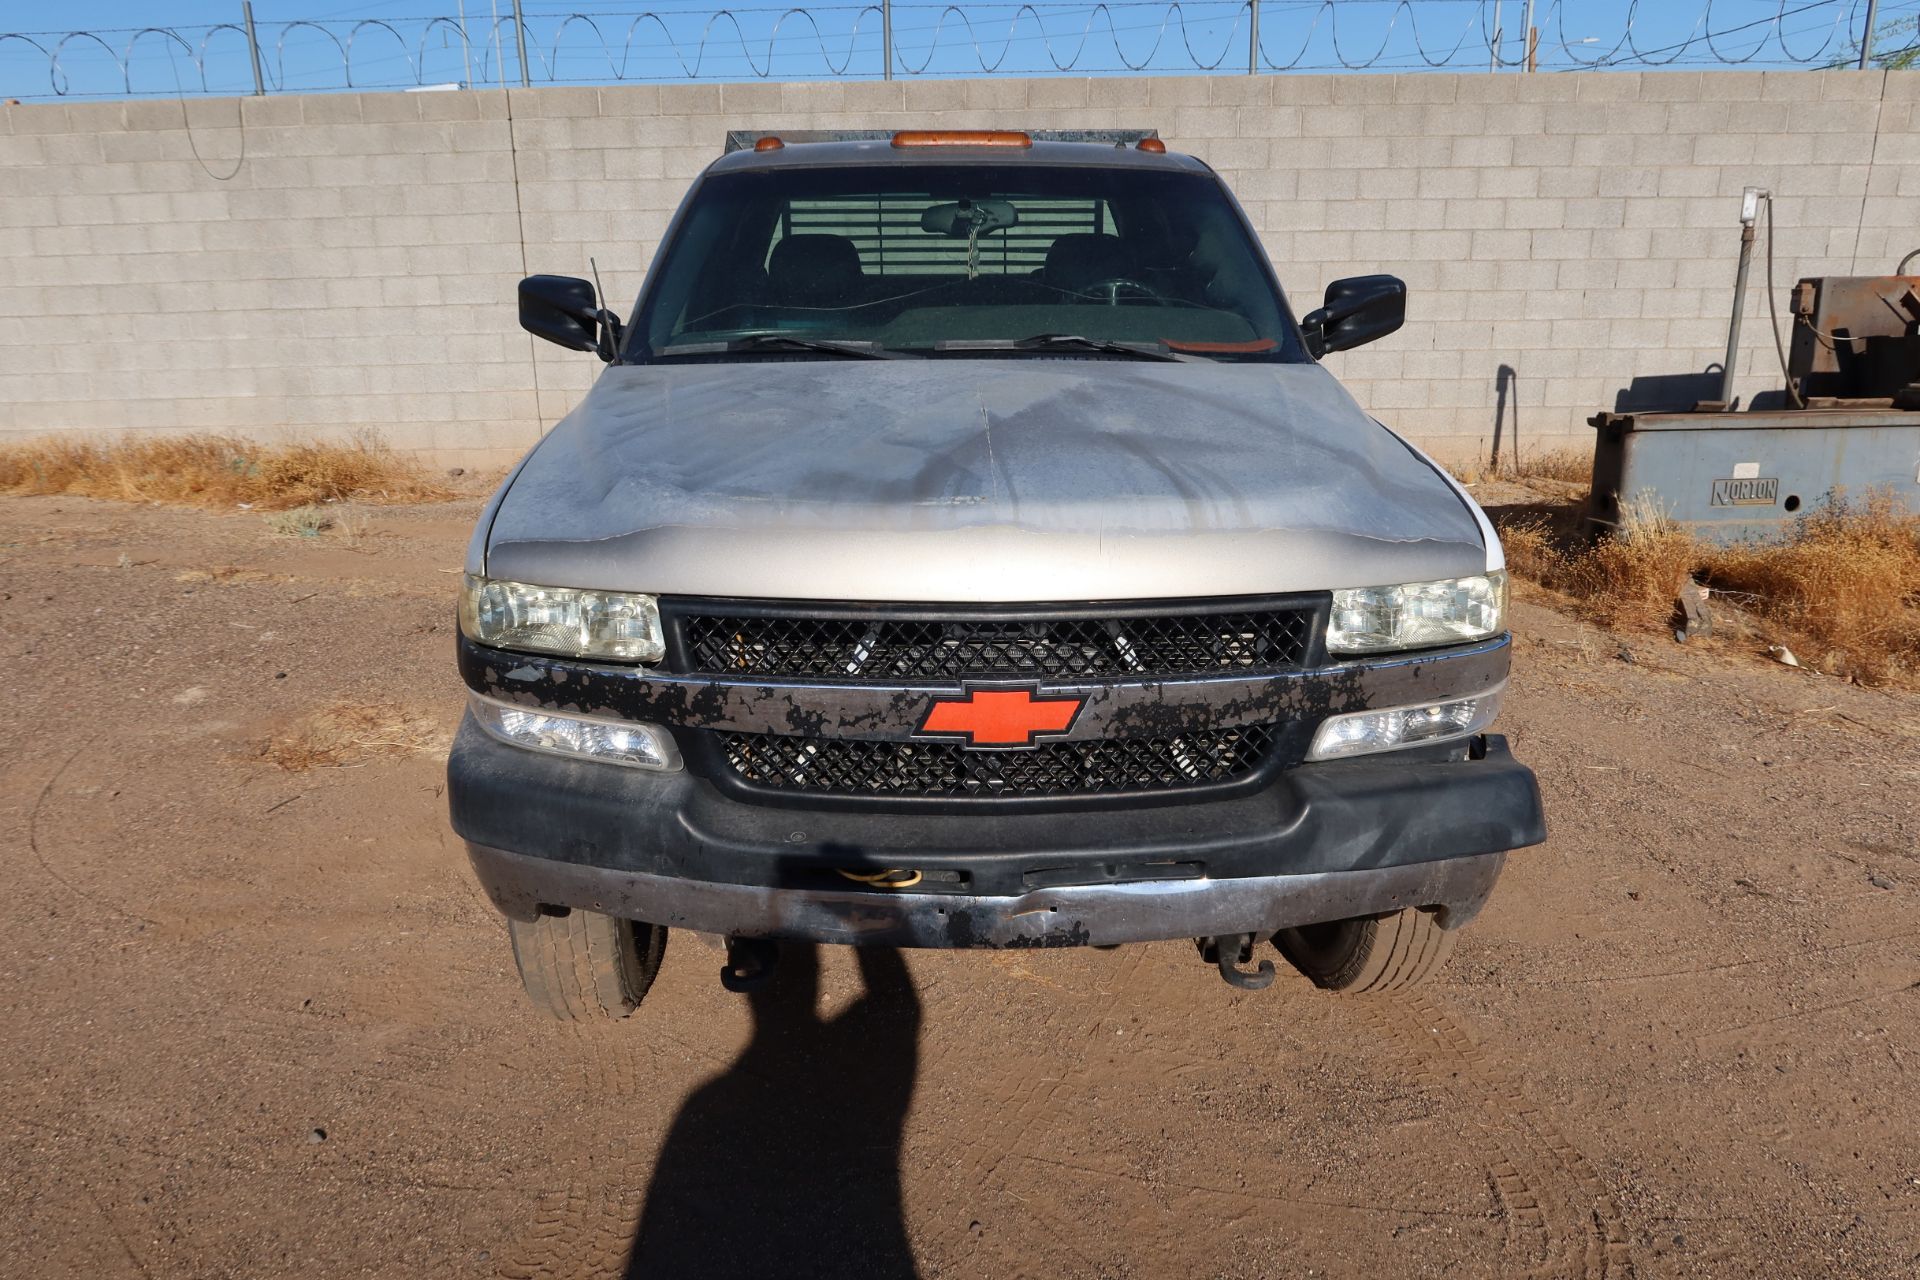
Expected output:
(909, 257)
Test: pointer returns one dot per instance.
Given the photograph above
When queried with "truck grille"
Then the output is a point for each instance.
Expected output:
(851, 767)
(880, 649)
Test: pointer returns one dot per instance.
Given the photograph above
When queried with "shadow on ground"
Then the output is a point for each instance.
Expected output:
(788, 1164)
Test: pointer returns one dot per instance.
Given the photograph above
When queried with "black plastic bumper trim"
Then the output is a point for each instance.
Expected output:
(1380, 811)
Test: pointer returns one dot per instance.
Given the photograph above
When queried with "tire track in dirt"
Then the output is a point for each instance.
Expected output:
(1562, 1222)
(587, 1229)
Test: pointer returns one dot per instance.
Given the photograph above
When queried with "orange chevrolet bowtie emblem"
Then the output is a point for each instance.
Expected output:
(1000, 717)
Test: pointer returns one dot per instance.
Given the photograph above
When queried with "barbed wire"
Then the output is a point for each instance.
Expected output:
(575, 45)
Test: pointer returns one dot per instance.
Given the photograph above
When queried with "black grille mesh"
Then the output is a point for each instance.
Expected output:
(883, 650)
(847, 766)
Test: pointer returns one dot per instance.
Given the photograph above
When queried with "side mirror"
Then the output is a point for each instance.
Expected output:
(1356, 311)
(565, 310)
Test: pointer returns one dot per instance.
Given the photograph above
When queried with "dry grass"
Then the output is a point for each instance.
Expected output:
(1842, 590)
(346, 734)
(1564, 466)
(1568, 465)
(216, 472)
(1847, 580)
(1629, 580)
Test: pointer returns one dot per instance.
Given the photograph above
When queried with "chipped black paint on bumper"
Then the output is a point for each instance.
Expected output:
(891, 713)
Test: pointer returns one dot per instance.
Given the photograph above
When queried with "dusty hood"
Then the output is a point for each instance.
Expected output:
(976, 480)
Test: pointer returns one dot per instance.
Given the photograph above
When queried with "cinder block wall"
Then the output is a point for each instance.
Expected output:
(324, 264)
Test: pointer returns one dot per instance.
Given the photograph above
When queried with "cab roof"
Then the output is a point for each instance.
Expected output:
(804, 149)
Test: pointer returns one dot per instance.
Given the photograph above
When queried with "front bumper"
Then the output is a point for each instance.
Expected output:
(1319, 842)
(1077, 915)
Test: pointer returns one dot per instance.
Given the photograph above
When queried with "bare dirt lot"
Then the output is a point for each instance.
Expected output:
(259, 1022)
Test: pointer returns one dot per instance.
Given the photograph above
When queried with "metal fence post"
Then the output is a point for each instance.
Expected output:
(520, 39)
(253, 48)
(1866, 37)
(1533, 37)
(886, 39)
(1253, 37)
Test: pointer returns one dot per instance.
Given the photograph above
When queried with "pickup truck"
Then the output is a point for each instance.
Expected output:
(965, 546)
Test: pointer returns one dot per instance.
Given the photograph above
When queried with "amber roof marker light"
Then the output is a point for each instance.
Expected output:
(1152, 146)
(962, 138)
(769, 143)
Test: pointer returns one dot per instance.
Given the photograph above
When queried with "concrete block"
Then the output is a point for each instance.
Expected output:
(1724, 149)
(1231, 91)
(18, 151)
(687, 99)
(1334, 122)
(1733, 86)
(1236, 154)
(1334, 184)
(1602, 212)
(1861, 86)
(1607, 86)
(1274, 123)
(1178, 91)
(37, 118)
(551, 102)
(330, 108)
(1381, 184)
(1350, 90)
(1543, 212)
(1483, 151)
(1542, 150)
(748, 98)
(1446, 184)
(1569, 181)
(1487, 89)
(1474, 215)
(930, 96)
(1512, 180)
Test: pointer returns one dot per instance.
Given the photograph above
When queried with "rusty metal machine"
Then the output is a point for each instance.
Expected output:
(1847, 419)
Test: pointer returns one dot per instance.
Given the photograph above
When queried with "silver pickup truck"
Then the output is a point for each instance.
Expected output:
(965, 547)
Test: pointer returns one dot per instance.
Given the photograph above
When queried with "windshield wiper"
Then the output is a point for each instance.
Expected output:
(1069, 342)
(783, 342)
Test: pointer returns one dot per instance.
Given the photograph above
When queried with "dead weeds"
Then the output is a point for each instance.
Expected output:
(1563, 466)
(217, 472)
(1847, 582)
(347, 734)
(1842, 589)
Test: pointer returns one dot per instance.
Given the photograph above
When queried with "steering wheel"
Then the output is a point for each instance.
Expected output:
(1112, 289)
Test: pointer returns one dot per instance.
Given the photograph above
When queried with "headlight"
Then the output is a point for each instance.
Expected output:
(638, 746)
(562, 620)
(1418, 615)
(1365, 732)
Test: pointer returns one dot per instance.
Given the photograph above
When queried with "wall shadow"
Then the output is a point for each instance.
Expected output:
(788, 1163)
(1506, 415)
(1668, 392)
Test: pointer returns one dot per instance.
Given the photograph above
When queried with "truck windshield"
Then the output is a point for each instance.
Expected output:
(956, 258)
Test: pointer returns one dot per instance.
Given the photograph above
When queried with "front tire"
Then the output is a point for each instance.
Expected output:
(1372, 953)
(585, 966)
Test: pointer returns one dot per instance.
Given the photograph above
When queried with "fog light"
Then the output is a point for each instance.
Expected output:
(638, 746)
(1364, 732)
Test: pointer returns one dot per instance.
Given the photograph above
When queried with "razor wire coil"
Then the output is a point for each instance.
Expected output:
(577, 46)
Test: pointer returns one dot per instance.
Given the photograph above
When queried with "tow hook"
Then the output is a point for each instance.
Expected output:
(1231, 950)
(750, 964)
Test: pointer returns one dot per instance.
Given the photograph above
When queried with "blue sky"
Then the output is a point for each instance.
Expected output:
(394, 43)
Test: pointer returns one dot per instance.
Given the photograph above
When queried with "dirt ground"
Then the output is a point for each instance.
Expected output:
(259, 1022)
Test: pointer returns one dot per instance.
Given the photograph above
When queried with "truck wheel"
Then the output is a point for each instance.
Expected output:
(1372, 953)
(584, 966)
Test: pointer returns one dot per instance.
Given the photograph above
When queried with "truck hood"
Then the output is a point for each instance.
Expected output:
(975, 480)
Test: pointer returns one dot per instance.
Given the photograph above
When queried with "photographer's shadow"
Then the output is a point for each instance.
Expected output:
(789, 1163)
